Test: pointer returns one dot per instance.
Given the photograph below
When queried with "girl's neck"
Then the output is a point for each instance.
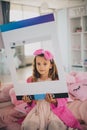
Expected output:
(44, 78)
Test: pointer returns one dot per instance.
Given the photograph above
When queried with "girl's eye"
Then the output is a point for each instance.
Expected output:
(45, 63)
(38, 63)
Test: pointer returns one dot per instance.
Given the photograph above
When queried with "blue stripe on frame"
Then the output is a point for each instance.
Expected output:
(27, 22)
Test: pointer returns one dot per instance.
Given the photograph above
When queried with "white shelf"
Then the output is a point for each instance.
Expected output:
(75, 49)
(76, 65)
(85, 49)
(85, 66)
(78, 37)
(85, 32)
(76, 33)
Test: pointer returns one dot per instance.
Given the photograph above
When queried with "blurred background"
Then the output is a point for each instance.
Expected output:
(71, 22)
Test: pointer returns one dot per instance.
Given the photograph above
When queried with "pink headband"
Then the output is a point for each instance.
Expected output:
(47, 54)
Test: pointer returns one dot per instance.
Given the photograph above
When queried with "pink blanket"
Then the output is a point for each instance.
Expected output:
(78, 105)
(10, 117)
(77, 85)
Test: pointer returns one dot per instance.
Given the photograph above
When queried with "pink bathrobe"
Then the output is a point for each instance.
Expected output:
(47, 112)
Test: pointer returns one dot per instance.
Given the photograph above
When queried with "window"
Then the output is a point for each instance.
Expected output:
(29, 48)
(20, 12)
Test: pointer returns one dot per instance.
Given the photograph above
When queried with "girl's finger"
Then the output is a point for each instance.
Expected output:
(47, 97)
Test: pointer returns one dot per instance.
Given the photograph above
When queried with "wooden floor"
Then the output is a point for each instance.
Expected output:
(22, 74)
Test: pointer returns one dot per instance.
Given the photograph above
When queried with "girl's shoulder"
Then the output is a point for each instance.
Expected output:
(29, 79)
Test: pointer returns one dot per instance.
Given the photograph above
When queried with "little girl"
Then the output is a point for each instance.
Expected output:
(50, 113)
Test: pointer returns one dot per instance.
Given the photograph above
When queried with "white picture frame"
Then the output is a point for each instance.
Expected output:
(33, 30)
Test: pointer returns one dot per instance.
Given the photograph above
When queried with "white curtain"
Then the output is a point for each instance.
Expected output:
(20, 12)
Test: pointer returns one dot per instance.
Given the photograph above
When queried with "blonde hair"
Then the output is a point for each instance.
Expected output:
(53, 73)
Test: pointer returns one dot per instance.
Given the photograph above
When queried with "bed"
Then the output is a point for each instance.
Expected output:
(8, 115)
(77, 103)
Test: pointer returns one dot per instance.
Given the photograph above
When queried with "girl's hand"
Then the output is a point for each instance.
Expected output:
(50, 99)
(26, 99)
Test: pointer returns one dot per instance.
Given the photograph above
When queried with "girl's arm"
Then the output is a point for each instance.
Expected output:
(26, 98)
(60, 103)
(51, 100)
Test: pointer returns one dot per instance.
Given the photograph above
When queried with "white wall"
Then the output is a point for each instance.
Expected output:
(63, 37)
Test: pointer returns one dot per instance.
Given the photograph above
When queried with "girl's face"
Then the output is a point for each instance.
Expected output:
(43, 65)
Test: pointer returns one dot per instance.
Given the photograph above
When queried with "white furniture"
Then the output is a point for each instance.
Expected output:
(78, 38)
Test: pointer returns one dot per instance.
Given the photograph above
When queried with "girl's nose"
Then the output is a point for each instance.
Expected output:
(42, 66)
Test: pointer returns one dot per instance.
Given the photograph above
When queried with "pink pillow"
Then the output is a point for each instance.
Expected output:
(81, 76)
(73, 73)
(2, 124)
(13, 97)
(4, 92)
(79, 90)
(70, 79)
